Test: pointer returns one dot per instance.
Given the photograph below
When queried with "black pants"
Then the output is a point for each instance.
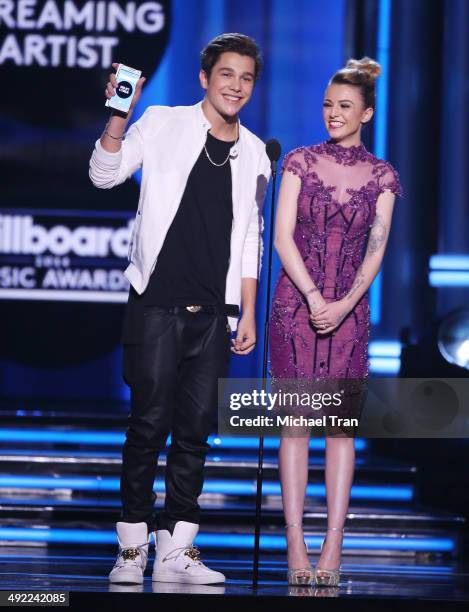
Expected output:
(172, 371)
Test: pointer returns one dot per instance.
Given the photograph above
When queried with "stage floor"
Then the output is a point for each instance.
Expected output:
(382, 580)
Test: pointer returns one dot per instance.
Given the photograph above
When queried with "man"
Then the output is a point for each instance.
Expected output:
(194, 259)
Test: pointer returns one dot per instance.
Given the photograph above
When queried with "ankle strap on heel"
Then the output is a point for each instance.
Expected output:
(300, 525)
(335, 529)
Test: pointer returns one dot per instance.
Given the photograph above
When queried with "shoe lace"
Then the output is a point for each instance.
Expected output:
(189, 551)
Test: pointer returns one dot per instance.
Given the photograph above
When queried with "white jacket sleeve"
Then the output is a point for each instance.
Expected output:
(110, 169)
(253, 244)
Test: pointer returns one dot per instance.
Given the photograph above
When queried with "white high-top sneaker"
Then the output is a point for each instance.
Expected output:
(178, 561)
(133, 553)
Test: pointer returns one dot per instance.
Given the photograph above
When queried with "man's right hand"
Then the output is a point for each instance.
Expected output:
(111, 86)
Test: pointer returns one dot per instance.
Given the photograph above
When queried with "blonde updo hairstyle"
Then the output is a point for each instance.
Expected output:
(360, 73)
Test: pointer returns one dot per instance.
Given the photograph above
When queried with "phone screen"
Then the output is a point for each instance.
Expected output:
(127, 79)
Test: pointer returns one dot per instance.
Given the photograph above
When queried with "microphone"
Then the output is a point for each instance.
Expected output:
(273, 150)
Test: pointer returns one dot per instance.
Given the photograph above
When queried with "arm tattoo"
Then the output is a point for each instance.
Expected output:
(313, 306)
(376, 240)
(377, 236)
(357, 282)
(340, 318)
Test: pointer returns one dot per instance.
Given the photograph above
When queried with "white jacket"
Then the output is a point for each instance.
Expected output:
(166, 142)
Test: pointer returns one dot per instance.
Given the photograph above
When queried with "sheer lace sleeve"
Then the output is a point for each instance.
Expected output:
(295, 162)
(388, 179)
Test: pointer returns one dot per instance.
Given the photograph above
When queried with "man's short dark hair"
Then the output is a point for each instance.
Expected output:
(236, 43)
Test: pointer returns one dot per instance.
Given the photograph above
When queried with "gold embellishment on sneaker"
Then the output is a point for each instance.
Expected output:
(130, 554)
(194, 308)
(193, 553)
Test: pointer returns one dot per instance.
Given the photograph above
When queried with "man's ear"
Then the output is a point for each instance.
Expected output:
(367, 115)
(203, 79)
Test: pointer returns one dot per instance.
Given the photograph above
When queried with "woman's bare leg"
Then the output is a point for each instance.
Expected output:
(340, 466)
(293, 469)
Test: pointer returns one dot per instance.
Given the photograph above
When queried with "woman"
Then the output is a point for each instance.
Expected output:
(333, 197)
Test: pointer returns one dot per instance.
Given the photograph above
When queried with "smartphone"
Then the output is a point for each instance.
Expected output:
(127, 79)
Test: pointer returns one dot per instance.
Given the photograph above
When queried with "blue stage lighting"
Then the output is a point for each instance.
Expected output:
(445, 278)
(118, 438)
(449, 262)
(233, 541)
(385, 365)
(384, 348)
(382, 56)
(211, 486)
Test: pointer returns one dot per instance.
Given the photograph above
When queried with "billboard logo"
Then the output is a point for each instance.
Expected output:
(20, 234)
(44, 256)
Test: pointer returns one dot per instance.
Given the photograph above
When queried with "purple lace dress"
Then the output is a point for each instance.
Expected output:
(336, 208)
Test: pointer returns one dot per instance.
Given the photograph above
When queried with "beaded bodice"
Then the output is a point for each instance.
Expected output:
(336, 208)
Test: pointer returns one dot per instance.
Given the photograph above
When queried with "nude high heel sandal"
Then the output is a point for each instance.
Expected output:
(301, 576)
(327, 577)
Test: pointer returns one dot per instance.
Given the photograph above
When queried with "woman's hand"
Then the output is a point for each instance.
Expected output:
(329, 316)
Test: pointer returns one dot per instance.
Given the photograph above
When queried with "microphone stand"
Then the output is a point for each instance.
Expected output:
(260, 459)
